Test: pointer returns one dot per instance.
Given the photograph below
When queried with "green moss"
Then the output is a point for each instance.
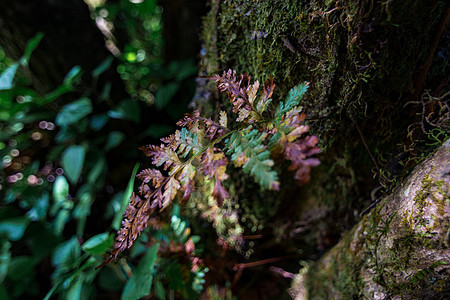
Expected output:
(208, 62)
(398, 265)
(341, 275)
(423, 193)
(417, 236)
(360, 59)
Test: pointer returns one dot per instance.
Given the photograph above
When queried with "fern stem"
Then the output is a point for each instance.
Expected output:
(210, 145)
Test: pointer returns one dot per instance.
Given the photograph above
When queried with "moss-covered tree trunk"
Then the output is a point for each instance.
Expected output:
(400, 250)
(376, 69)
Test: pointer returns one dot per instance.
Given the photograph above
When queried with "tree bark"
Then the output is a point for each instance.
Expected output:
(399, 250)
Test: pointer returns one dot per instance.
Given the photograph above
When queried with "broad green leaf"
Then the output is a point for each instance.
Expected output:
(139, 246)
(53, 95)
(128, 110)
(66, 254)
(72, 162)
(7, 77)
(83, 207)
(74, 112)
(114, 139)
(99, 121)
(60, 193)
(40, 208)
(117, 221)
(31, 46)
(99, 166)
(14, 228)
(74, 275)
(60, 221)
(98, 244)
(114, 206)
(165, 94)
(74, 292)
(102, 67)
(72, 75)
(140, 283)
(5, 258)
(105, 95)
(159, 290)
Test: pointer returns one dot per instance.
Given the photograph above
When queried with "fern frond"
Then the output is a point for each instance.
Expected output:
(234, 86)
(170, 191)
(246, 148)
(298, 149)
(192, 153)
(186, 179)
(212, 129)
(135, 220)
(153, 176)
(187, 142)
(241, 93)
(214, 165)
(293, 118)
(262, 104)
(162, 155)
(293, 99)
(299, 153)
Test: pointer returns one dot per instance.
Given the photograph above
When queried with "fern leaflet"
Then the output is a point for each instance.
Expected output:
(247, 149)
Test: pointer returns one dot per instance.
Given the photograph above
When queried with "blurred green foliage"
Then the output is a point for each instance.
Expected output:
(59, 208)
(139, 44)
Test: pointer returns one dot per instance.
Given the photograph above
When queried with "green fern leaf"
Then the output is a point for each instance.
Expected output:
(202, 126)
(247, 149)
(293, 99)
(187, 142)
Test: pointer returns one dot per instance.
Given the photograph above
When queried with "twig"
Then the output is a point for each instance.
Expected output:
(282, 272)
(261, 262)
(370, 207)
